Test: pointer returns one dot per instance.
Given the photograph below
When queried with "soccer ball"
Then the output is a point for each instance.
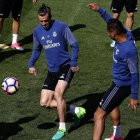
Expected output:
(10, 85)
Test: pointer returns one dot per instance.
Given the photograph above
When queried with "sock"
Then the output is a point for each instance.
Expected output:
(62, 126)
(71, 109)
(14, 38)
(117, 131)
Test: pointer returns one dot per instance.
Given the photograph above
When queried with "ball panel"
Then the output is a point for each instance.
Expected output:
(10, 81)
(17, 84)
(11, 89)
(4, 86)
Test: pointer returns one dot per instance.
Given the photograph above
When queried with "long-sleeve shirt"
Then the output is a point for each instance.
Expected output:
(54, 41)
(125, 61)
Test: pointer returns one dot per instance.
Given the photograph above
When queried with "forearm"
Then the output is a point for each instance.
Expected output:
(74, 46)
(134, 85)
(74, 56)
(34, 57)
(104, 14)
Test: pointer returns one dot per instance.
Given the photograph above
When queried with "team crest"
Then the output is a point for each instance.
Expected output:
(117, 51)
(54, 34)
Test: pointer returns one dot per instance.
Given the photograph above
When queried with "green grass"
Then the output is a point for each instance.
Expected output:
(21, 116)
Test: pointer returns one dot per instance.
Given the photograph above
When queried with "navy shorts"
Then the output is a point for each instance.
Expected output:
(13, 6)
(114, 97)
(52, 78)
(130, 5)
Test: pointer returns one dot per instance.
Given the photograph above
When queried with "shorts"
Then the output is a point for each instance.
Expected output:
(114, 97)
(52, 78)
(7, 6)
(130, 5)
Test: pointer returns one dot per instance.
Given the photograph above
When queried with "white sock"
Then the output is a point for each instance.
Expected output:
(62, 126)
(14, 38)
(76, 110)
(117, 131)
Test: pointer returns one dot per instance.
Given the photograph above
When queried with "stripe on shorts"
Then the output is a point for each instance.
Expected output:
(109, 98)
(68, 76)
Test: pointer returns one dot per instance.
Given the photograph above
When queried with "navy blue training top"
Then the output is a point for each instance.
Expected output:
(125, 61)
(54, 41)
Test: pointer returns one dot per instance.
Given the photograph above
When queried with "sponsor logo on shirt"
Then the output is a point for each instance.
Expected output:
(50, 44)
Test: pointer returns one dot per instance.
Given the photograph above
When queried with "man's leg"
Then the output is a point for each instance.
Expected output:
(99, 123)
(129, 21)
(116, 16)
(15, 28)
(115, 116)
(61, 108)
(47, 99)
(2, 45)
(61, 104)
(1, 24)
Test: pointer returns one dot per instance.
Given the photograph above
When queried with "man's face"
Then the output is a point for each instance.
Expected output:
(44, 20)
(111, 35)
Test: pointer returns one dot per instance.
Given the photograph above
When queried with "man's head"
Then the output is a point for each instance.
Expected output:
(115, 28)
(44, 15)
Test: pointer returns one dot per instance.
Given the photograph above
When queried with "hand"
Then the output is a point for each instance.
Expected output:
(34, 1)
(133, 104)
(75, 69)
(32, 70)
(93, 6)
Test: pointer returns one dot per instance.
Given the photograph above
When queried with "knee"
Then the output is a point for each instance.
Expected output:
(1, 20)
(16, 19)
(116, 15)
(130, 15)
(99, 116)
(44, 103)
(57, 96)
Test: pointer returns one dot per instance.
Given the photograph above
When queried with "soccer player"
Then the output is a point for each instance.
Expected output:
(125, 77)
(117, 7)
(52, 36)
(15, 6)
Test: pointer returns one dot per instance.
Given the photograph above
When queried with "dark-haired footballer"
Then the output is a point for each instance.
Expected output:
(53, 36)
(125, 77)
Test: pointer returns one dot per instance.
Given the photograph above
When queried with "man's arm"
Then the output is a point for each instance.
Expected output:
(133, 67)
(75, 48)
(95, 7)
(35, 55)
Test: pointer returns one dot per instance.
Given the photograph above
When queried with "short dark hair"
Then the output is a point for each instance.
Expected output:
(43, 10)
(115, 25)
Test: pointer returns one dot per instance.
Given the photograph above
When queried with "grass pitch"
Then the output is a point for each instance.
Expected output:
(21, 116)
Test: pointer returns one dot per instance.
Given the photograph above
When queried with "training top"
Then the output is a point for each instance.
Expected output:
(125, 61)
(54, 42)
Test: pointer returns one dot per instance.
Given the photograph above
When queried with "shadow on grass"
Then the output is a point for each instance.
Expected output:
(7, 54)
(47, 125)
(133, 134)
(76, 27)
(29, 39)
(10, 129)
(91, 104)
(136, 33)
